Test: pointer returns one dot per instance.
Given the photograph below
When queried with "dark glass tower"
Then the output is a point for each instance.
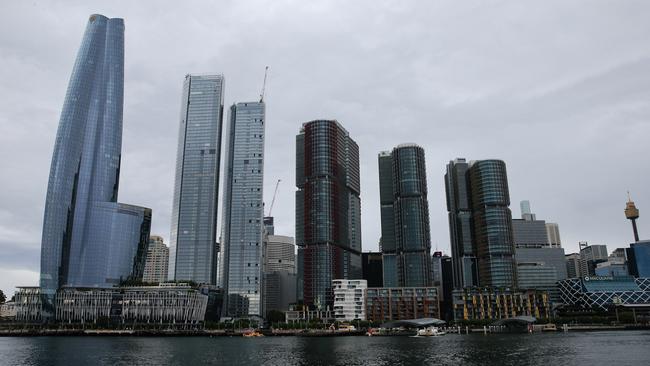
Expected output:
(328, 210)
(193, 249)
(465, 269)
(492, 223)
(406, 238)
(90, 240)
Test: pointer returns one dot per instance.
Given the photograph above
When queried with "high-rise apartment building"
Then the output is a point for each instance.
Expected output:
(89, 239)
(349, 299)
(193, 249)
(328, 210)
(405, 217)
(465, 268)
(573, 265)
(590, 256)
(157, 263)
(243, 211)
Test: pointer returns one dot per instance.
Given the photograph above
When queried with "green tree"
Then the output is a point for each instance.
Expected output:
(3, 298)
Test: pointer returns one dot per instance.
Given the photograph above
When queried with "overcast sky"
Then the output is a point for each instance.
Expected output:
(559, 90)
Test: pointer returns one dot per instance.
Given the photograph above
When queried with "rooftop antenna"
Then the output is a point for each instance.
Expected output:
(266, 71)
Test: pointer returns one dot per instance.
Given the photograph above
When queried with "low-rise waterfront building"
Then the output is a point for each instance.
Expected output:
(401, 303)
(302, 313)
(601, 292)
(8, 311)
(500, 303)
(177, 304)
(349, 299)
(28, 305)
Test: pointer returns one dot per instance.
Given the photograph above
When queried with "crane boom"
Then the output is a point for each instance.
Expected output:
(277, 184)
(266, 71)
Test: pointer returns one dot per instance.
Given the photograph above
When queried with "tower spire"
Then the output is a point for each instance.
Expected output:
(632, 213)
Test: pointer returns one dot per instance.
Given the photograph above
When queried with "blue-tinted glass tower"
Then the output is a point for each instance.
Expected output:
(243, 211)
(406, 238)
(193, 249)
(90, 240)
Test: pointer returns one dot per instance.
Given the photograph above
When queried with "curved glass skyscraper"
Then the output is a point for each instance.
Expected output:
(90, 240)
(492, 223)
(406, 238)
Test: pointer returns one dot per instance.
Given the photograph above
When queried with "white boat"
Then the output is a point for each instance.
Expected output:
(429, 332)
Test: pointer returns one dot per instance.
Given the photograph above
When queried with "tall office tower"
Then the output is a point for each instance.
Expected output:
(328, 210)
(407, 260)
(373, 268)
(90, 240)
(528, 232)
(573, 265)
(279, 254)
(279, 288)
(526, 213)
(192, 249)
(492, 223)
(243, 211)
(269, 227)
(387, 244)
(590, 256)
(157, 263)
(465, 268)
(553, 234)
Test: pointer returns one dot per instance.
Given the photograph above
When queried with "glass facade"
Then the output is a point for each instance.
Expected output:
(639, 258)
(243, 211)
(193, 249)
(405, 217)
(328, 209)
(89, 239)
(601, 292)
(465, 271)
(492, 223)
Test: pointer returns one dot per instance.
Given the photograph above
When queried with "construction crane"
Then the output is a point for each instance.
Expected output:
(274, 195)
(266, 71)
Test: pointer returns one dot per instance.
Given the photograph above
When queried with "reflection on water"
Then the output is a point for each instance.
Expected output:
(601, 348)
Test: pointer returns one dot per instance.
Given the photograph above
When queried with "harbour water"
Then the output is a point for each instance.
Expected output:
(548, 349)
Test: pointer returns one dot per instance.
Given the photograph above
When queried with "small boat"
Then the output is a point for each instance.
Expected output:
(252, 333)
(429, 332)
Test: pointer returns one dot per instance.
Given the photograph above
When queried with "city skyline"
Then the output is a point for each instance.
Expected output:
(562, 181)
